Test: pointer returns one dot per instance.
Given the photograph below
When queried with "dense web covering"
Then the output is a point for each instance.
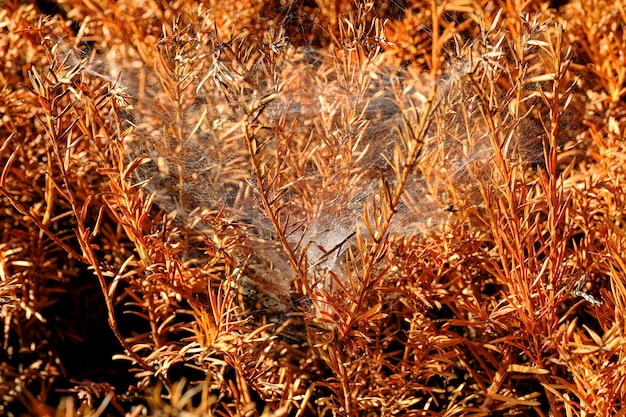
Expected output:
(330, 129)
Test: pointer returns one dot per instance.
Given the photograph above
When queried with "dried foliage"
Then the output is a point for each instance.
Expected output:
(313, 208)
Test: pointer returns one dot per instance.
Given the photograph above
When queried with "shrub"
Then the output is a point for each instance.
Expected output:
(312, 208)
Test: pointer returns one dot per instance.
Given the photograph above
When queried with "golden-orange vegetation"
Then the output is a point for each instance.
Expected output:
(298, 208)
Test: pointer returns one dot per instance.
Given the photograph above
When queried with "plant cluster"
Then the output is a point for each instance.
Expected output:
(332, 208)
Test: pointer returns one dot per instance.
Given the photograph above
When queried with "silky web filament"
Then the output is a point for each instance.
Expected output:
(319, 137)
